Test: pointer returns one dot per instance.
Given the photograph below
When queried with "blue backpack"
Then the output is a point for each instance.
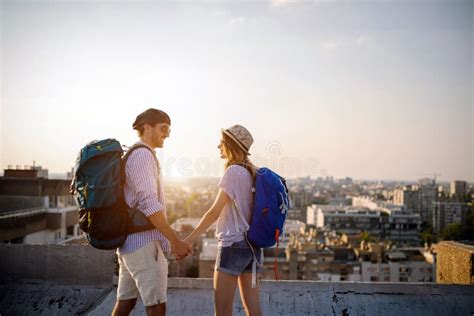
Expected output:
(98, 182)
(270, 208)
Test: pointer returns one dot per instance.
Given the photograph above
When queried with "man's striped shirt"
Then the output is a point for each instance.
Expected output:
(144, 190)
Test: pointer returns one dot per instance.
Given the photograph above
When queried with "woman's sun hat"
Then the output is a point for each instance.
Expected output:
(241, 136)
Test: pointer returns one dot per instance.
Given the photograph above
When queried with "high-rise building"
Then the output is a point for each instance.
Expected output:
(446, 213)
(419, 198)
(408, 197)
(428, 195)
(458, 188)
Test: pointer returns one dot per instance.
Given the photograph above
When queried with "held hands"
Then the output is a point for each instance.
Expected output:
(188, 240)
(181, 249)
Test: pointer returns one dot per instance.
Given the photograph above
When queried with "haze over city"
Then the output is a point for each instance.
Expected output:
(361, 111)
(374, 90)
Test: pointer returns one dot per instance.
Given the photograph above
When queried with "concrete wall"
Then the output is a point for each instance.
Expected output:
(60, 264)
(31, 226)
(71, 217)
(455, 263)
(21, 226)
(14, 203)
(34, 187)
(37, 238)
(195, 297)
(42, 237)
(62, 273)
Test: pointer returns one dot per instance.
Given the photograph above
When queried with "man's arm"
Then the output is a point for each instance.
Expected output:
(178, 247)
(140, 173)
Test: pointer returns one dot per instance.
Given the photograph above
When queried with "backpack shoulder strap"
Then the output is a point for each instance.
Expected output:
(132, 149)
(238, 211)
(244, 165)
(129, 152)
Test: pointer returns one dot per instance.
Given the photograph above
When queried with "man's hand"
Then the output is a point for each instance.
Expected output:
(180, 249)
(188, 240)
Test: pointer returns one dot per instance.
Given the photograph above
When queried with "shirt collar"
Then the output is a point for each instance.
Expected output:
(140, 142)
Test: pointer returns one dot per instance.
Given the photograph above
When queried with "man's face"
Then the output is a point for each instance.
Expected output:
(159, 133)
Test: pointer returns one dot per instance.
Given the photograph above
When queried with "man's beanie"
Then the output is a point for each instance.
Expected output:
(152, 117)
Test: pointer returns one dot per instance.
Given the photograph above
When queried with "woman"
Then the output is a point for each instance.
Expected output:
(233, 209)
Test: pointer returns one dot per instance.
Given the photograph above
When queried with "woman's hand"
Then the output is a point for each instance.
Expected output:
(181, 249)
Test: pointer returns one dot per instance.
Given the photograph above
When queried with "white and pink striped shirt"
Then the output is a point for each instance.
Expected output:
(144, 190)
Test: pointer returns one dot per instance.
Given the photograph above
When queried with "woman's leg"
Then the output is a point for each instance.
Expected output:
(250, 296)
(224, 291)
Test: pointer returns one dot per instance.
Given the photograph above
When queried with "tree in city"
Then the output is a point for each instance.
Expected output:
(459, 231)
(364, 239)
(427, 237)
(452, 232)
(365, 236)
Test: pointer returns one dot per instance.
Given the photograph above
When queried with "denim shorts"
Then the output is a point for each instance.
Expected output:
(237, 259)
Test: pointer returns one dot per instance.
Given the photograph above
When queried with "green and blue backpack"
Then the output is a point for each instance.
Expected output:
(99, 179)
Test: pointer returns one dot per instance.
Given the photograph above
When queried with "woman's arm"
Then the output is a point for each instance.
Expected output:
(210, 217)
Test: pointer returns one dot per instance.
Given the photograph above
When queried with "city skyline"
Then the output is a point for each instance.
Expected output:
(369, 90)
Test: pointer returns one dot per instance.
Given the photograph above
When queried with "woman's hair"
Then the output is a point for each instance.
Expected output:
(235, 155)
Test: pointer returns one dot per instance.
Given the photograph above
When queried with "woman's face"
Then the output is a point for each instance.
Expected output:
(221, 147)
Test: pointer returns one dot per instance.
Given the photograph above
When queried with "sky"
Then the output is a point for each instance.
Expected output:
(365, 89)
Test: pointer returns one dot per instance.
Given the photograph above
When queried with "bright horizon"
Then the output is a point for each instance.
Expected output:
(369, 90)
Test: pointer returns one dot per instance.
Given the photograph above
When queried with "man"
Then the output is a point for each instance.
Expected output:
(143, 265)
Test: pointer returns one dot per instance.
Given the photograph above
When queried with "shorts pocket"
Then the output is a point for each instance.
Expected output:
(240, 245)
(239, 258)
(141, 259)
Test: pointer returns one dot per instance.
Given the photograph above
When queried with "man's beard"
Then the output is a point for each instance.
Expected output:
(158, 141)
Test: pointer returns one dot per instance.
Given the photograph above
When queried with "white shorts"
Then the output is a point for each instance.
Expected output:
(143, 273)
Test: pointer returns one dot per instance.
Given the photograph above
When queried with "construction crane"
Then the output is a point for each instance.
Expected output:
(435, 175)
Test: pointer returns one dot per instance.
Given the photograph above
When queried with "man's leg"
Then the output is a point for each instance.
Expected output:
(127, 291)
(156, 310)
(123, 307)
(149, 269)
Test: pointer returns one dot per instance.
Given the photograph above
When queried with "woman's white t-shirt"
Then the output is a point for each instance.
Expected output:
(237, 183)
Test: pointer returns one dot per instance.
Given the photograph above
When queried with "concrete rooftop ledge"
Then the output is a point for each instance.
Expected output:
(195, 297)
(329, 298)
(72, 280)
(371, 287)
